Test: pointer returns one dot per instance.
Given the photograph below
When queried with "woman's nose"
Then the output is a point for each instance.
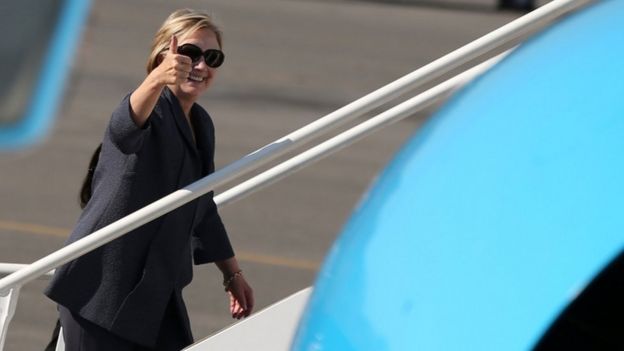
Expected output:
(201, 65)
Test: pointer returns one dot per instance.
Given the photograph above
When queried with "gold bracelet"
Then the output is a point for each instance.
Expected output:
(227, 282)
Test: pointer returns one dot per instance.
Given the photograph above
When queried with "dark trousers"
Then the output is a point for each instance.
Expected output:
(81, 335)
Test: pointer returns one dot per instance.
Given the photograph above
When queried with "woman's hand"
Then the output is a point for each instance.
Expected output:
(174, 68)
(241, 297)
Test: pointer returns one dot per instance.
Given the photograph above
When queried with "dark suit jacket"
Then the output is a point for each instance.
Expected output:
(125, 285)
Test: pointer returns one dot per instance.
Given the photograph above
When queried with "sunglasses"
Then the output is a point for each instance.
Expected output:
(213, 57)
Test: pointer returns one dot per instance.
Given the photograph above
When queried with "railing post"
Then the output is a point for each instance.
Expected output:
(60, 344)
(8, 302)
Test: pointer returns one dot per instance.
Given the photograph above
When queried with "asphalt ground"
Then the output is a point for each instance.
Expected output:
(288, 63)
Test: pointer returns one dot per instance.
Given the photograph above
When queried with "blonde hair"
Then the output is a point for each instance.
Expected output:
(180, 23)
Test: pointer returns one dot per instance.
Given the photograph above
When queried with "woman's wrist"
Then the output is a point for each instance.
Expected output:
(154, 80)
(228, 266)
(231, 271)
(229, 279)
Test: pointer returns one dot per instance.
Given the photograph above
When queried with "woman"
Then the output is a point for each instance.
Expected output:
(127, 294)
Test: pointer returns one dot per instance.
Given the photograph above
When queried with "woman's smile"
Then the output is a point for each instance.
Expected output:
(196, 78)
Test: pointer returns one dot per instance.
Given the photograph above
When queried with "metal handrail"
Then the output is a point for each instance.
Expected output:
(9, 268)
(485, 45)
(348, 137)
(403, 110)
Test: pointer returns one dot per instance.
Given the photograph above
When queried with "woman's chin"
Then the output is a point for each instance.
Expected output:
(192, 88)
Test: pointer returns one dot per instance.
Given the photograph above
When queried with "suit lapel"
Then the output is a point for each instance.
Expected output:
(180, 120)
(202, 136)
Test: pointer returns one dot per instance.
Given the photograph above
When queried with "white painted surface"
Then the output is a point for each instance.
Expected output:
(270, 329)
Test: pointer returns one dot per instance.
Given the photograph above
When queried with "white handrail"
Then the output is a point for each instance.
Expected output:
(478, 48)
(8, 304)
(348, 137)
(336, 143)
(8, 268)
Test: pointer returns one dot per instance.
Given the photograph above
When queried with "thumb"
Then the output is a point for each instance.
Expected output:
(173, 45)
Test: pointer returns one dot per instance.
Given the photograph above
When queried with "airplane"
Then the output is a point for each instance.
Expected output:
(497, 226)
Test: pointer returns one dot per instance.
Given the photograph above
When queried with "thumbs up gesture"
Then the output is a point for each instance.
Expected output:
(174, 68)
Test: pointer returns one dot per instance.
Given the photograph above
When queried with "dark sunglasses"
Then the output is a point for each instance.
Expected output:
(213, 57)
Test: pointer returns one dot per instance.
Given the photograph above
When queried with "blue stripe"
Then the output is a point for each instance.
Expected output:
(50, 86)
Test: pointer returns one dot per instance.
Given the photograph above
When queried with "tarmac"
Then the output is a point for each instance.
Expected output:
(288, 63)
